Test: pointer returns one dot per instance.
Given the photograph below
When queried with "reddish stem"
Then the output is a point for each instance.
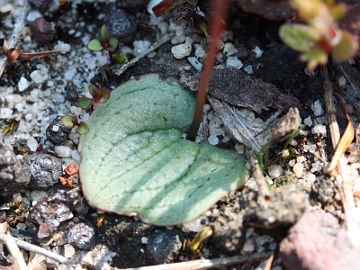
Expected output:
(217, 26)
(28, 56)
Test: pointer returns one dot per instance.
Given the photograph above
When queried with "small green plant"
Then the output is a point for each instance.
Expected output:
(71, 121)
(99, 95)
(320, 35)
(109, 44)
(105, 43)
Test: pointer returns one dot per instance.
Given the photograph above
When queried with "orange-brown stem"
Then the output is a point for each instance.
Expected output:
(28, 56)
(217, 26)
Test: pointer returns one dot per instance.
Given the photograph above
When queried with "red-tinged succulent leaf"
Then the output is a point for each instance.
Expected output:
(69, 121)
(104, 94)
(113, 42)
(92, 89)
(83, 128)
(84, 103)
(346, 48)
(104, 33)
(95, 45)
(299, 37)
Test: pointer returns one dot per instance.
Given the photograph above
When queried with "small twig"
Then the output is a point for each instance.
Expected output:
(260, 180)
(30, 247)
(18, 26)
(15, 251)
(133, 61)
(205, 263)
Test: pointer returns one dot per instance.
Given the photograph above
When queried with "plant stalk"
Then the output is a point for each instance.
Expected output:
(217, 26)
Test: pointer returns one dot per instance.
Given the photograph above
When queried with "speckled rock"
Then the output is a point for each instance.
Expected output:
(163, 247)
(81, 235)
(120, 24)
(14, 173)
(45, 170)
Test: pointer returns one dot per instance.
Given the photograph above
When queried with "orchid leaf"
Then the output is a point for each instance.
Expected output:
(135, 163)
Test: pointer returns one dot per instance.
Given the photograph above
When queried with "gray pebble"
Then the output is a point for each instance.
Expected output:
(81, 235)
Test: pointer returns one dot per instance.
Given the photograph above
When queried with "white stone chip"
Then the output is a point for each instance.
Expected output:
(319, 129)
(32, 143)
(298, 169)
(213, 140)
(195, 63)
(317, 108)
(23, 84)
(62, 46)
(182, 50)
(258, 52)
(234, 62)
(308, 121)
(69, 251)
(33, 15)
(5, 113)
(249, 69)
(275, 171)
(63, 151)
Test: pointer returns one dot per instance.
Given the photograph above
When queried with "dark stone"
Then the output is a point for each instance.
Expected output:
(163, 247)
(71, 92)
(119, 24)
(316, 242)
(41, 5)
(56, 132)
(50, 212)
(81, 235)
(42, 31)
(45, 170)
(14, 173)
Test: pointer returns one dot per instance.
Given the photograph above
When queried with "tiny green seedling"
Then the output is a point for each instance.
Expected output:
(105, 43)
(71, 121)
(320, 35)
(99, 95)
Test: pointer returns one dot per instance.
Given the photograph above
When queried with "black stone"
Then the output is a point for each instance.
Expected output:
(56, 132)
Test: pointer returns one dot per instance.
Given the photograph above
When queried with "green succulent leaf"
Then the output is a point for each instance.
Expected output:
(346, 48)
(104, 94)
(69, 121)
(104, 33)
(113, 42)
(83, 128)
(314, 57)
(134, 162)
(84, 103)
(95, 45)
(120, 59)
(299, 37)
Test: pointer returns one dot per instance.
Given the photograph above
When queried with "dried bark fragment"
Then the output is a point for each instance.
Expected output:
(270, 9)
(236, 88)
